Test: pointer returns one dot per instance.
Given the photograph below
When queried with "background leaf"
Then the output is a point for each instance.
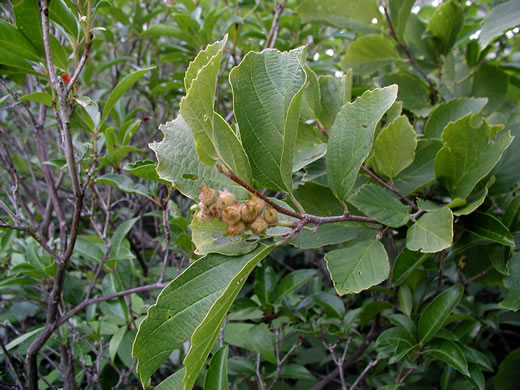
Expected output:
(217, 375)
(502, 17)
(437, 311)
(451, 111)
(369, 53)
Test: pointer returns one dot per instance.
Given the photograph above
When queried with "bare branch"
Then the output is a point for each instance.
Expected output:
(363, 374)
(275, 26)
(391, 187)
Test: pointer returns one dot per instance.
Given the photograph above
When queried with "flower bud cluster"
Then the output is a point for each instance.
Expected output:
(239, 217)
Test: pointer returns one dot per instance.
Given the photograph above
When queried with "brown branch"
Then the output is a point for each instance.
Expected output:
(372, 335)
(275, 26)
(364, 373)
(307, 218)
(26, 229)
(400, 381)
(64, 318)
(389, 187)
(11, 365)
(406, 51)
(475, 277)
(81, 64)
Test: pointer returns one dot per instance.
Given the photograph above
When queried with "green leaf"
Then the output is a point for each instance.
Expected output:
(179, 164)
(173, 382)
(451, 111)
(267, 91)
(469, 153)
(20, 339)
(474, 201)
(124, 85)
(492, 82)
(28, 21)
(414, 94)
(405, 264)
(437, 311)
(353, 14)
(379, 203)
(335, 92)
(395, 147)
(421, 172)
(331, 233)
(119, 234)
(40, 97)
(508, 375)
(217, 374)
(489, 227)
(209, 237)
(115, 341)
(265, 284)
(252, 337)
(123, 183)
(445, 24)
(19, 64)
(502, 17)
(145, 169)
(176, 314)
(512, 215)
(293, 282)
(405, 298)
(433, 232)
(512, 281)
(61, 13)
(230, 150)
(307, 194)
(311, 98)
(450, 353)
(14, 41)
(399, 13)
(332, 305)
(207, 331)
(214, 139)
(350, 138)
(397, 341)
(358, 267)
(368, 53)
(476, 377)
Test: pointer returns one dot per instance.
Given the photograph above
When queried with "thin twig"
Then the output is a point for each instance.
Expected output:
(307, 218)
(11, 364)
(390, 187)
(258, 375)
(406, 51)
(93, 301)
(371, 336)
(365, 371)
(280, 362)
(81, 64)
(475, 277)
(275, 26)
(401, 380)
(43, 244)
